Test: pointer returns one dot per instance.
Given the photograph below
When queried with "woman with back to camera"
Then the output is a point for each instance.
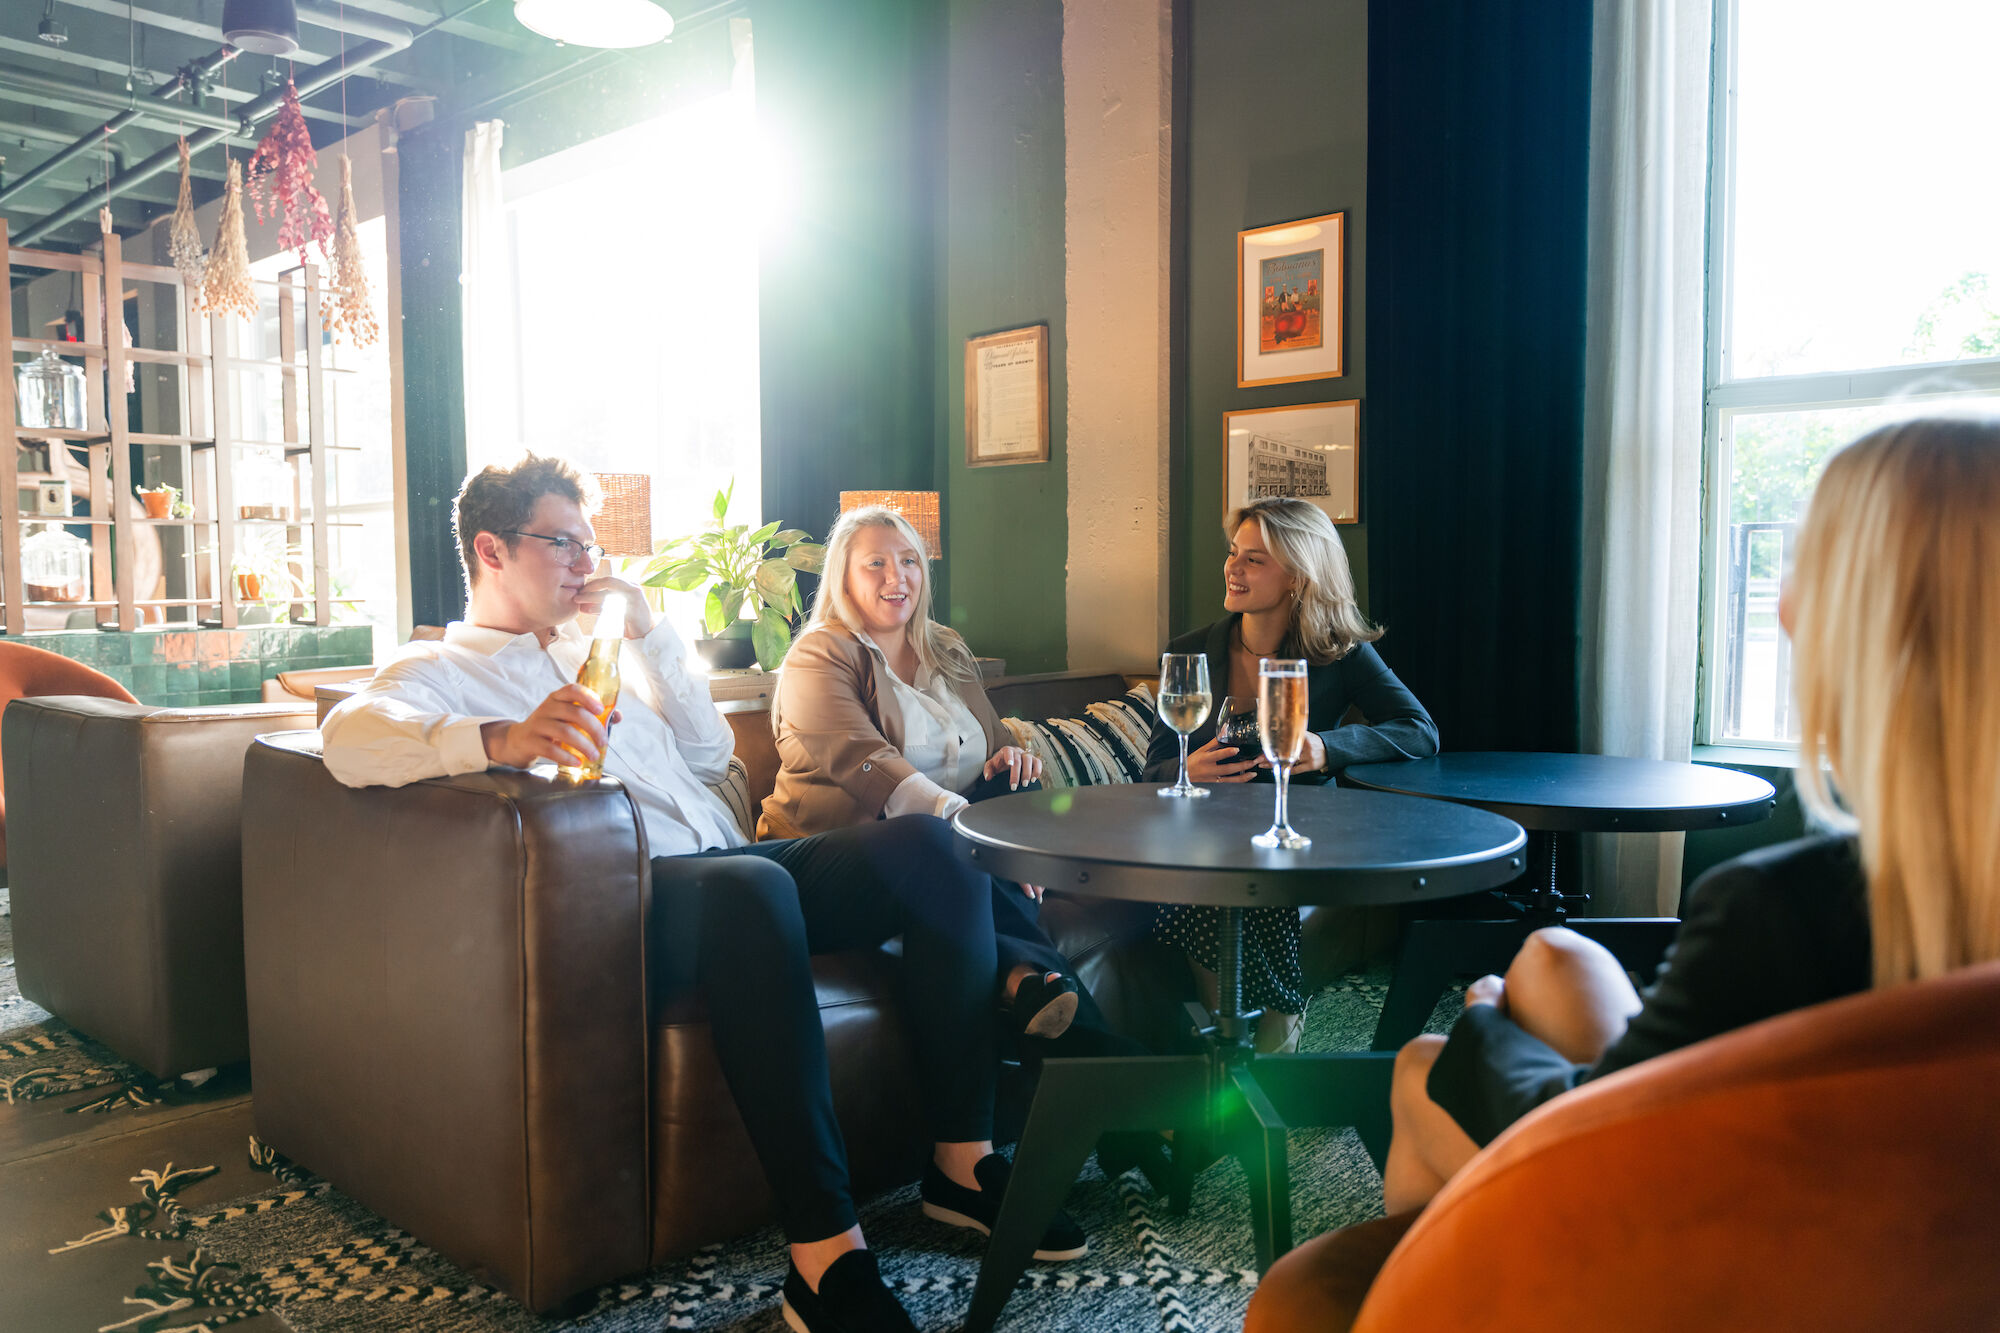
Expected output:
(1893, 608)
(1288, 593)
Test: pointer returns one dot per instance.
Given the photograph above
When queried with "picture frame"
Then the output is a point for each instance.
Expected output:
(1311, 451)
(1291, 301)
(1007, 397)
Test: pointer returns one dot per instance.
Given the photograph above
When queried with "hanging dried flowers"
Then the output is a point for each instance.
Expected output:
(350, 309)
(286, 153)
(225, 287)
(183, 241)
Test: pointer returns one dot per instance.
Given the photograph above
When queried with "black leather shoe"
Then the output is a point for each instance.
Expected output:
(850, 1299)
(951, 1203)
(1042, 1007)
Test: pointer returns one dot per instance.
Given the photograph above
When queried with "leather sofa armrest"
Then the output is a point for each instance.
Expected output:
(1320, 1285)
(448, 1008)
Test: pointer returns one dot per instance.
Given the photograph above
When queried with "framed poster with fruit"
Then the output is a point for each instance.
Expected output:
(1290, 298)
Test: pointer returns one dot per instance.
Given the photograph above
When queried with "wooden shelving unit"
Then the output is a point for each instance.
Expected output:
(207, 388)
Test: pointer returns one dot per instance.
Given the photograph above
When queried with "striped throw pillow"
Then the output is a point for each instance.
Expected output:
(1107, 744)
(734, 792)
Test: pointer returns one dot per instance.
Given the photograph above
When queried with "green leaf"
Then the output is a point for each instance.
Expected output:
(711, 612)
(684, 577)
(808, 557)
(771, 636)
(790, 536)
(732, 605)
(722, 501)
(762, 535)
(798, 602)
(775, 579)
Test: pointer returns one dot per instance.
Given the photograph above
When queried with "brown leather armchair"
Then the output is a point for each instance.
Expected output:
(126, 873)
(27, 673)
(450, 1019)
(1829, 1170)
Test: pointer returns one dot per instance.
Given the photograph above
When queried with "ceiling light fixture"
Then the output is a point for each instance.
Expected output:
(268, 27)
(609, 23)
(49, 30)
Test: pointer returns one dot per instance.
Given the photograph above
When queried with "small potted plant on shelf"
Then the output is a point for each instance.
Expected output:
(160, 500)
(752, 578)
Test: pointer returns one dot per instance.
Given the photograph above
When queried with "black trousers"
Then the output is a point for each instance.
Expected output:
(740, 924)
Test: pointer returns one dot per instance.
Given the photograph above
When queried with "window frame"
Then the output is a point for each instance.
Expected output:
(1725, 399)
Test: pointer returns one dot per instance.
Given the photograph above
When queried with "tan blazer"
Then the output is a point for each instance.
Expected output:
(839, 758)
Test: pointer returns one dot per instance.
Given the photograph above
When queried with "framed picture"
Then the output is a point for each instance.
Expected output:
(1291, 299)
(1007, 397)
(1312, 451)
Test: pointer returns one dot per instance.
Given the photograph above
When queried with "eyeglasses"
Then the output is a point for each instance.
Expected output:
(566, 547)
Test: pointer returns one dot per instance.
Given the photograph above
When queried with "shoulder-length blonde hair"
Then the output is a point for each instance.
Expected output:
(939, 647)
(1326, 622)
(1895, 603)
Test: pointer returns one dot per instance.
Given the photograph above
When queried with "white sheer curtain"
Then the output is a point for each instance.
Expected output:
(486, 295)
(1643, 413)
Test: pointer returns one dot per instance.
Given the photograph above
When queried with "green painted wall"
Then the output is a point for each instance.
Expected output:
(1277, 128)
(1001, 265)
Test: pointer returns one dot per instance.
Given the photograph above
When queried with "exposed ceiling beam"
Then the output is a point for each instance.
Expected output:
(210, 33)
(55, 136)
(43, 51)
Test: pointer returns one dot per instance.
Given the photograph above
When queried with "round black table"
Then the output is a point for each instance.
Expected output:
(1127, 842)
(1549, 794)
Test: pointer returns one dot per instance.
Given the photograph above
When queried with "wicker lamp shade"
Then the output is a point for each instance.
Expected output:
(625, 523)
(919, 507)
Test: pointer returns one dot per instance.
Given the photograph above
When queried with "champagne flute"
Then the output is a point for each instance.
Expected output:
(1183, 706)
(1281, 722)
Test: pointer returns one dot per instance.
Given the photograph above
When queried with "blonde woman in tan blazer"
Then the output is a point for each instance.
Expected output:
(880, 712)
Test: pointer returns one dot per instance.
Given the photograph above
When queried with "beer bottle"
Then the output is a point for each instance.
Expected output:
(600, 674)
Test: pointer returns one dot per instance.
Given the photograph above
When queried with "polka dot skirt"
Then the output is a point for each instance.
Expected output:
(1272, 977)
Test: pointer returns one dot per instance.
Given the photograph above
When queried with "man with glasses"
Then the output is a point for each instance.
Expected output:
(739, 922)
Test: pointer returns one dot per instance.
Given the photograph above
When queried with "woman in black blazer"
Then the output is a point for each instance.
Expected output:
(1289, 593)
(1890, 612)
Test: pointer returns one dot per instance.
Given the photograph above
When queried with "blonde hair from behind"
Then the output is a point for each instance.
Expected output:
(1895, 606)
(1327, 622)
(939, 647)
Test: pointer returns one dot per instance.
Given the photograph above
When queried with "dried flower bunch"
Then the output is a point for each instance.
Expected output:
(351, 313)
(183, 241)
(281, 180)
(226, 288)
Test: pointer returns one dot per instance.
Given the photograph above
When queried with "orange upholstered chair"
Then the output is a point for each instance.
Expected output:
(27, 673)
(1832, 1169)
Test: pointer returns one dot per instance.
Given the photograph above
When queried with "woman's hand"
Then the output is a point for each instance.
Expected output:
(1034, 891)
(1216, 762)
(1314, 757)
(1020, 765)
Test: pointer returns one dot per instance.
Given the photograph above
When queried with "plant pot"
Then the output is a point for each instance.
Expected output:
(730, 653)
(249, 587)
(159, 504)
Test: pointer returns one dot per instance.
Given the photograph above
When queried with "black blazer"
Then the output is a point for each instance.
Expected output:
(1772, 931)
(1397, 727)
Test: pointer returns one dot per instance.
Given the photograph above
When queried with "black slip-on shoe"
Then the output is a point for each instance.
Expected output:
(951, 1203)
(1044, 1004)
(850, 1299)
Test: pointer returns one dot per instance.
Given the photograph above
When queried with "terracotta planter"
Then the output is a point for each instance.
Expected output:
(159, 504)
(249, 587)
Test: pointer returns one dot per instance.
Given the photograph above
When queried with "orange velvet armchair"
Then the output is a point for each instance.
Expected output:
(28, 673)
(1833, 1169)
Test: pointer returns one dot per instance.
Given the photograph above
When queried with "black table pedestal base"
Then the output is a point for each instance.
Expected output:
(1242, 1103)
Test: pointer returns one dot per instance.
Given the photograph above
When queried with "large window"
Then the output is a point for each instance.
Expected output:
(1854, 265)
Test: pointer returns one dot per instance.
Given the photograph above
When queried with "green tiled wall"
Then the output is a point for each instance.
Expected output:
(209, 666)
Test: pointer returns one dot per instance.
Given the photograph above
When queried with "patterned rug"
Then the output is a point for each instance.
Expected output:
(215, 1240)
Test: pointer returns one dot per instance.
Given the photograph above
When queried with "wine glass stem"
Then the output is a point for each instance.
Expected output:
(1183, 784)
(1284, 780)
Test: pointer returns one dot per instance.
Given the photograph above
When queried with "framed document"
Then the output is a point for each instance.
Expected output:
(1007, 397)
(1290, 301)
(1312, 452)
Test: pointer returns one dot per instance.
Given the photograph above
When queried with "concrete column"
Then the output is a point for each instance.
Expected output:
(1117, 120)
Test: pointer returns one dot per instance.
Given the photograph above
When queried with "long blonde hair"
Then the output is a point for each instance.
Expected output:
(1895, 602)
(939, 647)
(1327, 623)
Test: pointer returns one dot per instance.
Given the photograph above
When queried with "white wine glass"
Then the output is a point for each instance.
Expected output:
(1281, 725)
(1183, 706)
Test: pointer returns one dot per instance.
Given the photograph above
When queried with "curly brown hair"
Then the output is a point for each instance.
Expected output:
(498, 499)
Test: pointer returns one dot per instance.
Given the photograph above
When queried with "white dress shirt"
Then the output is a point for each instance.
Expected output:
(941, 738)
(420, 718)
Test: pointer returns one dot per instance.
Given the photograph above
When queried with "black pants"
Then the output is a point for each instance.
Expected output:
(740, 924)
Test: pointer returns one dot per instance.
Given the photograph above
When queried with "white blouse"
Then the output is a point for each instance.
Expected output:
(942, 740)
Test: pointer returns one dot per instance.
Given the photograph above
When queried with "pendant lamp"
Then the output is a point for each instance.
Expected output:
(267, 27)
(610, 23)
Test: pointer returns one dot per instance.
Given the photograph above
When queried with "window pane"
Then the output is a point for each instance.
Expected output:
(1774, 461)
(1864, 195)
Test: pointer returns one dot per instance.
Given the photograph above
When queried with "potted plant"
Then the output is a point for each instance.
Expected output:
(159, 500)
(753, 594)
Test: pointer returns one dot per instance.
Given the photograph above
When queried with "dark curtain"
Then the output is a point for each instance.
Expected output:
(1478, 119)
(429, 199)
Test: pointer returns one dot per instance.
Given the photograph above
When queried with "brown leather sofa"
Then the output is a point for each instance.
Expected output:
(126, 871)
(1829, 1170)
